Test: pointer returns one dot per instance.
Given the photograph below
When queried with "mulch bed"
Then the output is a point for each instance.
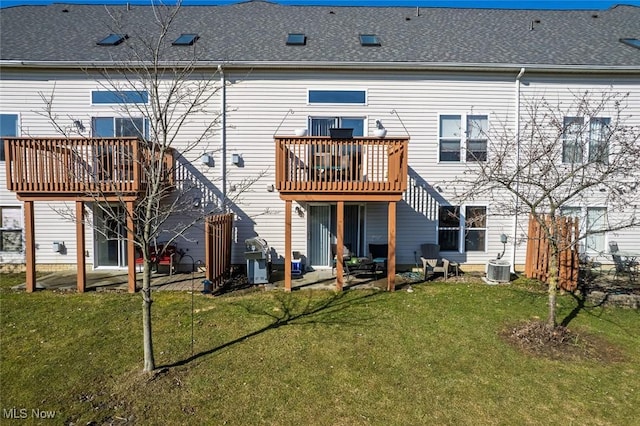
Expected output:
(559, 343)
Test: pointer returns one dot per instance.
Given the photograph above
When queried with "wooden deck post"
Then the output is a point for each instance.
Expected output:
(287, 246)
(80, 248)
(131, 248)
(30, 249)
(391, 240)
(340, 246)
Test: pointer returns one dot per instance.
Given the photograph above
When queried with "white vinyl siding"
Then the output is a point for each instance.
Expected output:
(258, 107)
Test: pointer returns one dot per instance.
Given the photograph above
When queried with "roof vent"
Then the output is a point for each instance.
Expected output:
(532, 25)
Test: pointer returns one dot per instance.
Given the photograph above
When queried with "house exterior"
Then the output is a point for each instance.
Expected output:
(431, 77)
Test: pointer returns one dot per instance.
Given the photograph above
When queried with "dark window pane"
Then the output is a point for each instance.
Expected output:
(448, 239)
(477, 150)
(113, 39)
(450, 150)
(476, 217)
(337, 96)
(11, 241)
(475, 240)
(121, 97)
(369, 40)
(296, 39)
(186, 40)
(449, 216)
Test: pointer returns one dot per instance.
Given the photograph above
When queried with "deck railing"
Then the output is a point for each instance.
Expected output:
(322, 164)
(80, 166)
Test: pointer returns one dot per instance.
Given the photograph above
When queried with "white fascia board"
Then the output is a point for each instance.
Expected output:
(409, 66)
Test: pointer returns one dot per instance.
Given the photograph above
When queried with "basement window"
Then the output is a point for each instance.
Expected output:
(369, 40)
(633, 42)
(296, 39)
(186, 40)
(113, 40)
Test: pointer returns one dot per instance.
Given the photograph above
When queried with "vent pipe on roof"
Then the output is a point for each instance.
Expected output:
(417, 10)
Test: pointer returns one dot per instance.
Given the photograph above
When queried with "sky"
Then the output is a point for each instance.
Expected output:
(507, 4)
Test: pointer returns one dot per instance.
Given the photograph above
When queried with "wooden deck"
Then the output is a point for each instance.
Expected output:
(81, 168)
(317, 168)
(323, 169)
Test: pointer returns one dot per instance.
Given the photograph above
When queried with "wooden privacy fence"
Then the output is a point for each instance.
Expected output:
(218, 232)
(539, 251)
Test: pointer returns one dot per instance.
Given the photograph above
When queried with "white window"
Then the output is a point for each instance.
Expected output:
(580, 134)
(108, 127)
(10, 229)
(572, 140)
(466, 232)
(599, 133)
(454, 136)
(475, 225)
(8, 128)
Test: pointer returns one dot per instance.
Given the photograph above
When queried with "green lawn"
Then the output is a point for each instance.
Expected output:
(431, 356)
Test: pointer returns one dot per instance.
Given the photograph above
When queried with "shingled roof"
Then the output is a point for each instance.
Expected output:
(254, 33)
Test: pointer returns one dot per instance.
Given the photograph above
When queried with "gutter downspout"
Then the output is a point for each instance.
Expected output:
(223, 136)
(517, 200)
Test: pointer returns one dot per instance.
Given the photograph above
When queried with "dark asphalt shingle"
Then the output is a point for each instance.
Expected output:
(256, 31)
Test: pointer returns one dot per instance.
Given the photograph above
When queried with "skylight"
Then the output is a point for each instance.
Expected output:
(369, 40)
(296, 39)
(634, 42)
(113, 40)
(186, 40)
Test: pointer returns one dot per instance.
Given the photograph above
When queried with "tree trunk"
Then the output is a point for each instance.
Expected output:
(553, 286)
(149, 361)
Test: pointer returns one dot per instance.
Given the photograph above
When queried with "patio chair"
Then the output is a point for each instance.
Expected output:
(432, 262)
(622, 267)
(622, 264)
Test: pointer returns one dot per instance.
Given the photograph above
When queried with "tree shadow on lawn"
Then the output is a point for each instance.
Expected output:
(293, 310)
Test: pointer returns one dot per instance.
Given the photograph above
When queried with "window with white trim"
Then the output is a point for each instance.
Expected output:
(475, 236)
(580, 134)
(458, 132)
(599, 134)
(8, 128)
(10, 229)
(572, 140)
(108, 127)
(465, 232)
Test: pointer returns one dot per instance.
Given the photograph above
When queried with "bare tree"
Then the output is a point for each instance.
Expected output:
(584, 152)
(177, 116)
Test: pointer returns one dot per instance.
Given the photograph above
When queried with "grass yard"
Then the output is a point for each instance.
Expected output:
(431, 356)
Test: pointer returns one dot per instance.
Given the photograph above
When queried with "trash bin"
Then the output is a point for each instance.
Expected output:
(257, 255)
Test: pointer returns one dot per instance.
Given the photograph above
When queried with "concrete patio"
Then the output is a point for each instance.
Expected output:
(116, 280)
